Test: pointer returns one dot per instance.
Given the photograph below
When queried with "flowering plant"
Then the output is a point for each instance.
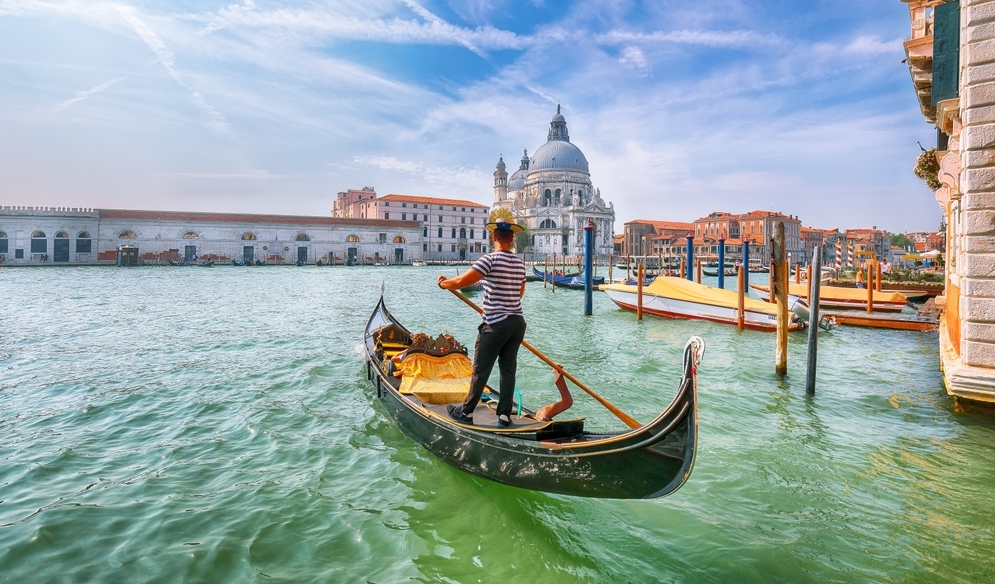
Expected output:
(927, 167)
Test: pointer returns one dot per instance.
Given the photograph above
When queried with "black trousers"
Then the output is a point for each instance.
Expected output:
(496, 342)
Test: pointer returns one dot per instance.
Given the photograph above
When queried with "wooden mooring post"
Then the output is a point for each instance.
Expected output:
(779, 290)
(545, 270)
(552, 275)
(639, 292)
(870, 287)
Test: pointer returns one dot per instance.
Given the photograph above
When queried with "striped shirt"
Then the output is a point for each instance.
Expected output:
(504, 274)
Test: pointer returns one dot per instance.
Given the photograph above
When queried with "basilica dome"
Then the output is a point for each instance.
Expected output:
(558, 153)
(516, 181)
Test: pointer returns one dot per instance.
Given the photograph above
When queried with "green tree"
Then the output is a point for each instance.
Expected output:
(523, 239)
(900, 240)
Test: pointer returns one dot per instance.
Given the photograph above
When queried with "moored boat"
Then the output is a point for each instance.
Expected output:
(556, 456)
(838, 298)
(715, 271)
(418, 263)
(575, 280)
(679, 298)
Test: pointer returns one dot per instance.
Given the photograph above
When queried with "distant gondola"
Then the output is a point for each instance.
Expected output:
(575, 280)
(559, 456)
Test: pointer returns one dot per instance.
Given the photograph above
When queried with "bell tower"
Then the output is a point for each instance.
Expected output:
(500, 182)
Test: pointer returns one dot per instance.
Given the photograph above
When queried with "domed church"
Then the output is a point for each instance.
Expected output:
(552, 193)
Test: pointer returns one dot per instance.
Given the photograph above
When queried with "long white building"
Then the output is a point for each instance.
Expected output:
(60, 235)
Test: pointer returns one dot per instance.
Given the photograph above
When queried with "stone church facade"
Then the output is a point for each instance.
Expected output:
(551, 193)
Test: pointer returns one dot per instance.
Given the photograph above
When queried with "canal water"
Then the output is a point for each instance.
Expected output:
(215, 425)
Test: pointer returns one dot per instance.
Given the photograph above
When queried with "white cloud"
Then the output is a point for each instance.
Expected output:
(82, 95)
(707, 38)
(633, 58)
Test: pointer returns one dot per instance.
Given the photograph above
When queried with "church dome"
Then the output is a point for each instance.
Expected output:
(516, 181)
(558, 155)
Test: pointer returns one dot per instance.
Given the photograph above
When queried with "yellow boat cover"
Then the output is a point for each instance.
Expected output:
(841, 293)
(436, 380)
(688, 291)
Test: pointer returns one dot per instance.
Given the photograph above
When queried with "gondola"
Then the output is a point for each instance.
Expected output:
(575, 280)
(559, 456)
(714, 272)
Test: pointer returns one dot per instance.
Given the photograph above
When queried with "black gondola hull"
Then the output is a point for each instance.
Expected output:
(650, 461)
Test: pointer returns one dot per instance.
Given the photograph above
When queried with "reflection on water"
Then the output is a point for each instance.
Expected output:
(216, 425)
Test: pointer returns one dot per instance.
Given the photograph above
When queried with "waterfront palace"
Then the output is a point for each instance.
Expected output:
(47, 235)
(951, 58)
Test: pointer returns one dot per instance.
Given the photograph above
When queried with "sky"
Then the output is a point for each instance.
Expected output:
(682, 108)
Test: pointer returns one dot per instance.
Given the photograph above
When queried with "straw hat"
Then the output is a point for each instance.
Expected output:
(503, 225)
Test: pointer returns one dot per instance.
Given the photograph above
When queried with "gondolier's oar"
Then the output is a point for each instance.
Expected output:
(621, 415)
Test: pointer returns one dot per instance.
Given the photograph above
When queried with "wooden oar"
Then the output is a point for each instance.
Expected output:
(621, 415)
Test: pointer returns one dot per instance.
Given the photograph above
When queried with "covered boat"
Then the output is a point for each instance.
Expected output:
(714, 271)
(679, 298)
(575, 280)
(556, 456)
(837, 297)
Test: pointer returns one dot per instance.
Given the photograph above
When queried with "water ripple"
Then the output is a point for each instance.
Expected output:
(216, 425)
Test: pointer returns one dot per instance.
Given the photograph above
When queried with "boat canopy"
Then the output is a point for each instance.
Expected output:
(681, 289)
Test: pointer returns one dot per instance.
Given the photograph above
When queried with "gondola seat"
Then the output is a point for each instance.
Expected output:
(436, 379)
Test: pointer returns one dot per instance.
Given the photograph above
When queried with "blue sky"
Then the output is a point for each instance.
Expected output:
(682, 108)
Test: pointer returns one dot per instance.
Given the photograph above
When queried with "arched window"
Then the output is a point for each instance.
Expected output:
(61, 235)
(38, 242)
(303, 237)
(127, 234)
(471, 234)
(352, 239)
(398, 239)
(462, 233)
(3, 242)
(547, 198)
(190, 235)
(454, 233)
(248, 236)
(557, 196)
(547, 224)
(83, 242)
(440, 232)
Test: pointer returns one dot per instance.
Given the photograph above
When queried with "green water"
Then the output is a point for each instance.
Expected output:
(215, 425)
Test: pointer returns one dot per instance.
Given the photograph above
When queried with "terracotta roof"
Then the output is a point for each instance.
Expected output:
(665, 225)
(431, 200)
(190, 216)
(761, 214)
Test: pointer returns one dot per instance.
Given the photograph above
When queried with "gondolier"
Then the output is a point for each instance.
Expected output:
(503, 327)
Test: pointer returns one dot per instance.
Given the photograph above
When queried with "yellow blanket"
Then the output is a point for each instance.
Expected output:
(436, 380)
